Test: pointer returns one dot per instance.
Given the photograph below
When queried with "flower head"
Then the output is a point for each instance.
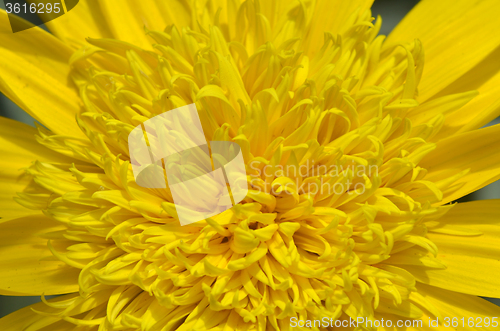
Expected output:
(353, 150)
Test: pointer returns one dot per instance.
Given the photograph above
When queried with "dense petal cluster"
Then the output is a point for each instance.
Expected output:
(337, 149)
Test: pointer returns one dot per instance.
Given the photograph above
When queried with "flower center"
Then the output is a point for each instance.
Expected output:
(336, 206)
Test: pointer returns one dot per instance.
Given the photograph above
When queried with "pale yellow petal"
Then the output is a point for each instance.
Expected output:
(127, 20)
(18, 148)
(485, 78)
(450, 304)
(35, 77)
(456, 36)
(157, 15)
(333, 16)
(473, 157)
(26, 318)
(412, 324)
(451, 307)
(472, 261)
(25, 267)
(85, 20)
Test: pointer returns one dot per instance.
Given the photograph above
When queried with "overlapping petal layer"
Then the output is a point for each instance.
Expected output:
(310, 114)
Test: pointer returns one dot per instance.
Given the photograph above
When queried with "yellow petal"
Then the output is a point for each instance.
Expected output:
(334, 16)
(27, 319)
(22, 270)
(35, 77)
(456, 36)
(451, 307)
(412, 324)
(450, 304)
(18, 148)
(473, 152)
(83, 21)
(485, 78)
(157, 15)
(472, 261)
(127, 19)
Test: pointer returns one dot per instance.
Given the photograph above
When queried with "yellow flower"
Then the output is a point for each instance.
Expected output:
(363, 229)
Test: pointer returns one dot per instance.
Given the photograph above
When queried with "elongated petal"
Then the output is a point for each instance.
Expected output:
(325, 19)
(473, 153)
(85, 20)
(439, 25)
(24, 265)
(471, 260)
(26, 318)
(450, 304)
(485, 78)
(157, 15)
(127, 20)
(18, 148)
(90, 20)
(451, 307)
(35, 77)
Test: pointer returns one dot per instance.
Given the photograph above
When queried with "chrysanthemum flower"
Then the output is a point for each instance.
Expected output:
(294, 83)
